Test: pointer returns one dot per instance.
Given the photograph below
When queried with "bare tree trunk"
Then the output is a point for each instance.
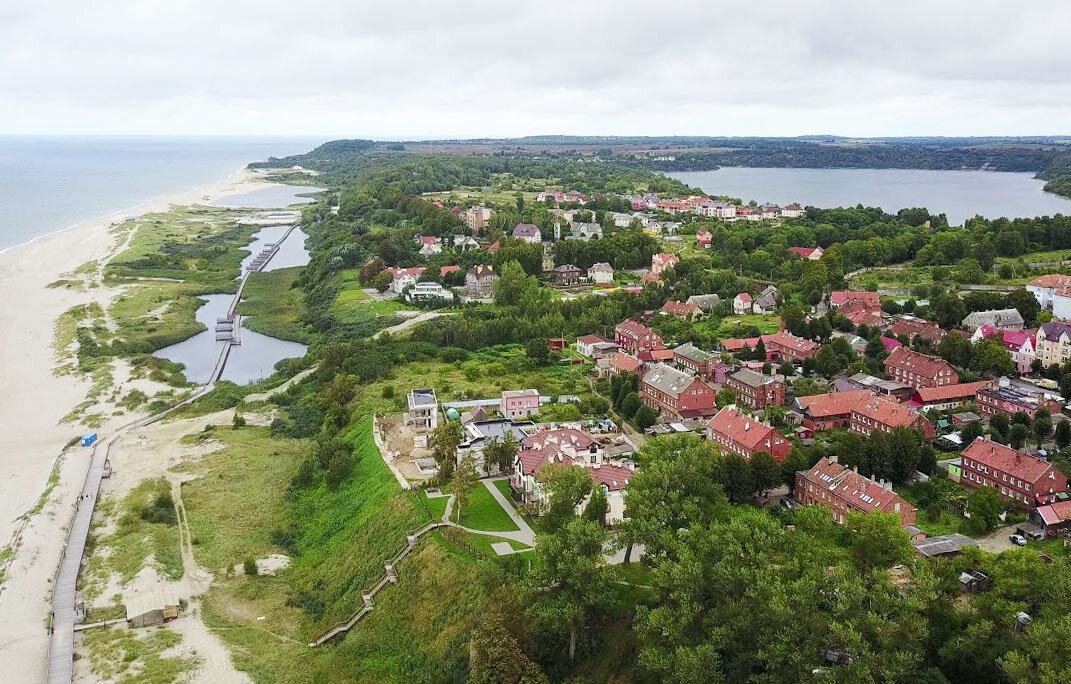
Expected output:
(628, 553)
(572, 643)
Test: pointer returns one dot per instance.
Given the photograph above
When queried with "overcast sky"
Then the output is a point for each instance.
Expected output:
(469, 68)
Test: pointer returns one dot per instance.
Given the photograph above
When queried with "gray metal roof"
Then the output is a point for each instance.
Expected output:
(668, 379)
(693, 353)
(995, 317)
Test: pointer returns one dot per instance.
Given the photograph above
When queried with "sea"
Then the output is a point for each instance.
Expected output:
(960, 195)
(48, 183)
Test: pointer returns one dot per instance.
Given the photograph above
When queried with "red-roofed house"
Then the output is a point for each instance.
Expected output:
(742, 304)
(740, 434)
(842, 297)
(1020, 344)
(1054, 518)
(495, 246)
(916, 326)
(878, 414)
(844, 491)
(704, 238)
(623, 363)
(785, 345)
(890, 343)
(662, 261)
(680, 309)
(919, 370)
(443, 270)
(404, 277)
(829, 411)
(947, 397)
(1022, 478)
(812, 253)
(635, 337)
(591, 345)
(429, 245)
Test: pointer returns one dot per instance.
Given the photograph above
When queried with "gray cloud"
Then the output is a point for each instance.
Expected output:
(474, 68)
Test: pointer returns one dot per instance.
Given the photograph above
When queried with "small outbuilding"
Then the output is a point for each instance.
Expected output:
(153, 608)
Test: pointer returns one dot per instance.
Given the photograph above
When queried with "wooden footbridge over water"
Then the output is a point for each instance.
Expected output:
(67, 612)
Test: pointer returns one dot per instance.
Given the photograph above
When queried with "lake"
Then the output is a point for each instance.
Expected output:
(958, 194)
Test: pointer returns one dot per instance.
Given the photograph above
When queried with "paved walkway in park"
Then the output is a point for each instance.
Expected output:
(524, 534)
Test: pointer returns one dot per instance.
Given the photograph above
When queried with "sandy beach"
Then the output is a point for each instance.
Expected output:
(32, 402)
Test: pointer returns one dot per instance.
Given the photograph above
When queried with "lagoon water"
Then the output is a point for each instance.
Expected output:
(52, 182)
(291, 253)
(958, 194)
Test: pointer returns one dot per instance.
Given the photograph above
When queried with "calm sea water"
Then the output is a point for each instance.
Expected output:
(958, 194)
(50, 183)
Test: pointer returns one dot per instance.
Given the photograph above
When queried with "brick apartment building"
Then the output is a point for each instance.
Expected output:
(1013, 399)
(741, 434)
(635, 337)
(1028, 481)
(878, 414)
(787, 346)
(694, 359)
(829, 411)
(919, 370)
(755, 390)
(843, 490)
(676, 395)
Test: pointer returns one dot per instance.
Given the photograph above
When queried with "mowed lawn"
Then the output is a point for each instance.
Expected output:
(483, 512)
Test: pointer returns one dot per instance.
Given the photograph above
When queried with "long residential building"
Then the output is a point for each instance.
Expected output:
(843, 491)
(947, 397)
(1053, 293)
(676, 395)
(821, 412)
(1013, 399)
(919, 370)
(701, 363)
(878, 414)
(1027, 480)
(741, 434)
(785, 345)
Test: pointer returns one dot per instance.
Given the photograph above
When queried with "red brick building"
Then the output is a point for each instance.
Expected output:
(623, 363)
(756, 390)
(676, 395)
(787, 346)
(829, 411)
(844, 491)
(1028, 481)
(919, 370)
(947, 397)
(699, 362)
(741, 434)
(634, 336)
(1011, 400)
(868, 300)
(912, 327)
(680, 309)
(878, 414)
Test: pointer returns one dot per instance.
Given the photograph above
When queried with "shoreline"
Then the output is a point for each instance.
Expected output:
(33, 460)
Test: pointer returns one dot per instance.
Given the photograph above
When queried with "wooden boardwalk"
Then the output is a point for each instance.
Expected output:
(65, 613)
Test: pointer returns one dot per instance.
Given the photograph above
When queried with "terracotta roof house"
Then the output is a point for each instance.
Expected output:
(704, 238)
(404, 277)
(1022, 478)
(586, 345)
(743, 435)
(443, 270)
(1054, 519)
(785, 345)
(919, 370)
(947, 397)
(662, 261)
(812, 253)
(735, 345)
(680, 309)
(661, 354)
(829, 411)
(1002, 319)
(890, 343)
(755, 390)
(1053, 293)
(529, 232)
(844, 491)
(634, 336)
(675, 394)
(878, 414)
(494, 247)
(912, 327)
(842, 297)
(623, 363)
(1021, 345)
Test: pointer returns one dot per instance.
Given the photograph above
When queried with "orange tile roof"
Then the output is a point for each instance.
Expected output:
(740, 428)
(920, 364)
(833, 404)
(860, 490)
(887, 412)
(946, 392)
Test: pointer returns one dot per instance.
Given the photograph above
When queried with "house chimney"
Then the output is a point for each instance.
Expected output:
(887, 486)
(855, 469)
(896, 506)
(833, 458)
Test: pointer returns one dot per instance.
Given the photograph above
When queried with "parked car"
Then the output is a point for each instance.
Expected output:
(1017, 539)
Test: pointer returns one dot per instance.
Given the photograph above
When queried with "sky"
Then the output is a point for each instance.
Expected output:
(420, 69)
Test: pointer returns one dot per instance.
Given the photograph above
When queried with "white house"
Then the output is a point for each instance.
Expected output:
(742, 304)
(403, 278)
(586, 231)
(1053, 293)
(429, 246)
(601, 273)
(529, 232)
(421, 292)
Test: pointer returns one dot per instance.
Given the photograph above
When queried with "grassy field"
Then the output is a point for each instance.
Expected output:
(274, 306)
(115, 651)
(735, 326)
(134, 540)
(483, 512)
(352, 305)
